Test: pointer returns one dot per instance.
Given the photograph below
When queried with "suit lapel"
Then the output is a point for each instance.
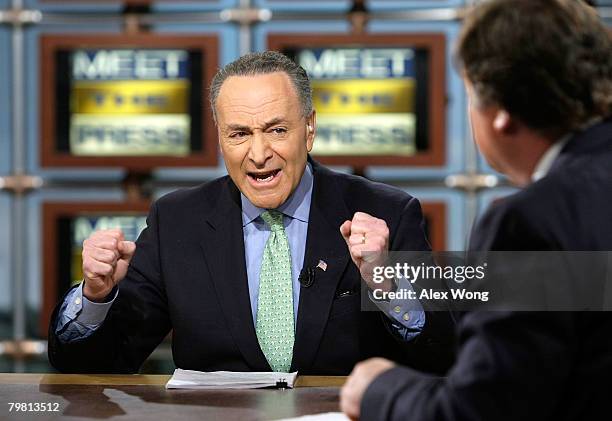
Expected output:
(324, 242)
(223, 249)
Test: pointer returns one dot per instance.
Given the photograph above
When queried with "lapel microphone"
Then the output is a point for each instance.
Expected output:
(307, 277)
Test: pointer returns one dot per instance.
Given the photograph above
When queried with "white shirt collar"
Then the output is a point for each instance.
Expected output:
(548, 158)
(297, 206)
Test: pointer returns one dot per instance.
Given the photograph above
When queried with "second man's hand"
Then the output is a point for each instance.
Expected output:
(106, 257)
(358, 382)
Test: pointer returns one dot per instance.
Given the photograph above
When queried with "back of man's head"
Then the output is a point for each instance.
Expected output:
(546, 62)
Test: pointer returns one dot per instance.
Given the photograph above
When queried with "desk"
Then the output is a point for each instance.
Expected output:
(138, 397)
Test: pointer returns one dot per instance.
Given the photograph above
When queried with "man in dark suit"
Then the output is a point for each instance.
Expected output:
(539, 79)
(256, 271)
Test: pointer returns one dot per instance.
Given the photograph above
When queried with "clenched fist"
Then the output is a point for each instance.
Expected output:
(106, 257)
(367, 238)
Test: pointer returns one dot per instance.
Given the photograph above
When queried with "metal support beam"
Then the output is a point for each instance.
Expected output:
(23, 349)
(20, 183)
(18, 226)
(17, 16)
(471, 182)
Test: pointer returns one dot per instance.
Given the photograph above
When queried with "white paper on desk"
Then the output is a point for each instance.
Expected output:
(189, 379)
(326, 416)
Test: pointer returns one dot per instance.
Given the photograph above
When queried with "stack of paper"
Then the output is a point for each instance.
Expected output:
(189, 379)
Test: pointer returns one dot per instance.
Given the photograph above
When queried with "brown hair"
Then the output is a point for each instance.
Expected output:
(546, 62)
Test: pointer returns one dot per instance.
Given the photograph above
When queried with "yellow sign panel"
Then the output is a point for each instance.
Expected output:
(130, 97)
(369, 134)
(363, 96)
(143, 135)
(76, 266)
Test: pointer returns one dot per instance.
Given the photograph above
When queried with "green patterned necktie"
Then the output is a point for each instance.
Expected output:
(275, 330)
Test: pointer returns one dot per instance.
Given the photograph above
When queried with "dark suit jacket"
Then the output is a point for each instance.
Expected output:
(188, 274)
(526, 365)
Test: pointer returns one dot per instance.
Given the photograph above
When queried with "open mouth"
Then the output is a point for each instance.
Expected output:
(263, 177)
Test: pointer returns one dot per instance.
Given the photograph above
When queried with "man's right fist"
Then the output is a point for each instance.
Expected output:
(106, 257)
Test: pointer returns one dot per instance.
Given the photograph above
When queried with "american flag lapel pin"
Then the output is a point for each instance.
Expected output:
(322, 265)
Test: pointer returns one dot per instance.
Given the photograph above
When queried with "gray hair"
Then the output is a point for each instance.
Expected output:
(260, 64)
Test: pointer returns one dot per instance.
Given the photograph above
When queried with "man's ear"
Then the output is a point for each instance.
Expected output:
(503, 123)
(311, 129)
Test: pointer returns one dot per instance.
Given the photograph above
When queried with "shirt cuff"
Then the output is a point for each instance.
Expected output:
(93, 314)
(405, 314)
(408, 312)
(69, 310)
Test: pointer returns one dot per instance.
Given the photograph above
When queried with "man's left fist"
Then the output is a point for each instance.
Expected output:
(367, 238)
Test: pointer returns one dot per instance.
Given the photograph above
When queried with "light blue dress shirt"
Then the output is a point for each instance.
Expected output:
(296, 210)
(80, 317)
